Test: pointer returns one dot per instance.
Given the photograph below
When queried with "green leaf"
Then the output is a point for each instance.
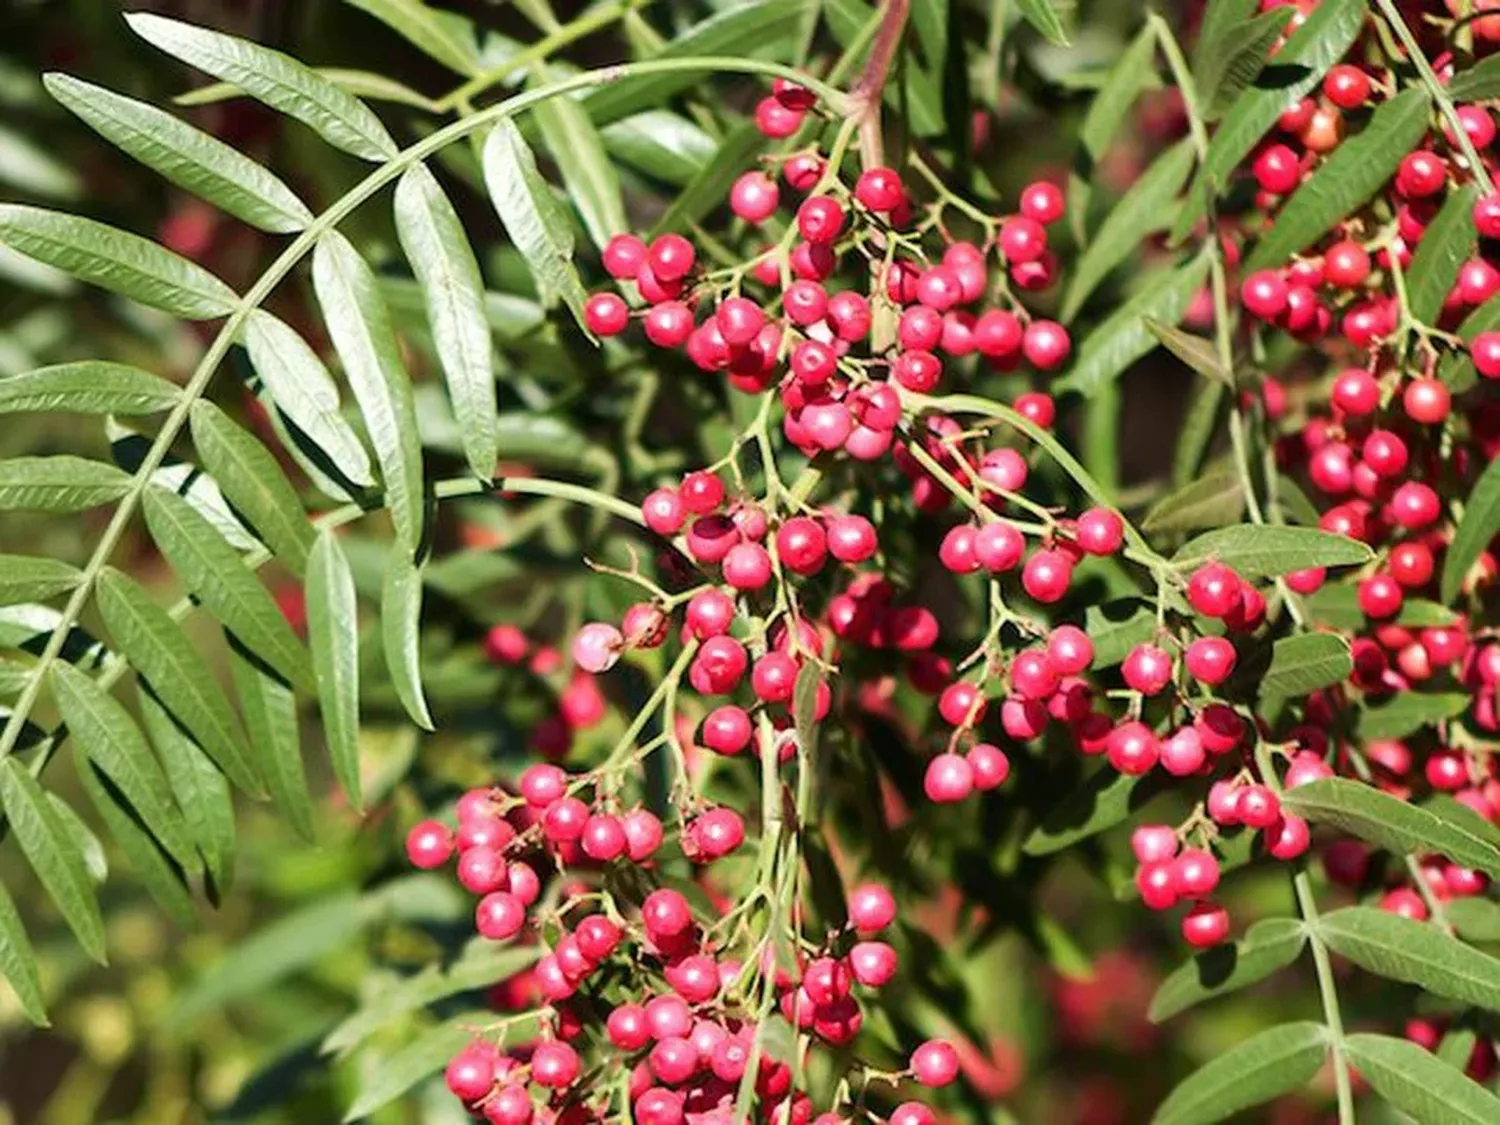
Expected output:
(87, 844)
(1481, 520)
(60, 483)
(186, 156)
(1419, 1084)
(709, 187)
(401, 633)
(50, 847)
(1408, 712)
(482, 964)
(107, 736)
(418, 1059)
(160, 872)
(1265, 552)
(24, 578)
(1457, 1046)
(287, 946)
(360, 326)
(253, 482)
(1195, 351)
(1480, 82)
(1116, 628)
(447, 37)
(1401, 828)
(767, 28)
(1269, 945)
(18, 962)
(1347, 179)
(1124, 338)
(200, 788)
(532, 216)
(1255, 1070)
(88, 387)
(304, 391)
(279, 80)
(217, 576)
(1309, 51)
(160, 652)
(270, 711)
(1447, 243)
(1403, 949)
(1141, 211)
(453, 291)
(1338, 606)
(333, 632)
(593, 185)
(1475, 919)
(1041, 15)
(1308, 662)
(116, 260)
(1226, 66)
(1213, 500)
(658, 143)
(1104, 800)
(1457, 367)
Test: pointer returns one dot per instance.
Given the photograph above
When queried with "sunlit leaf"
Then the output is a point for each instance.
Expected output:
(279, 80)
(1399, 827)
(360, 327)
(160, 873)
(116, 260)
(333, 633)
(1303, 664)
(592, 184)
(218, 577)
(200, 789)
(87, 387)
(532, 216)
(401, 632)
(440, 256)
(24, 578)
(50, 847)
(160, 651)
(60, 483)
(1399, 948)
(305, 392)
(1420, 1084)
(104, 731)
(1265, 552)
(445, 36)
(18, 964)
(189, 157)
(270, 711)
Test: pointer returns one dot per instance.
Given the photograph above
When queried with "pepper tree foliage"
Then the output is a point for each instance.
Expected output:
(765, 525)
